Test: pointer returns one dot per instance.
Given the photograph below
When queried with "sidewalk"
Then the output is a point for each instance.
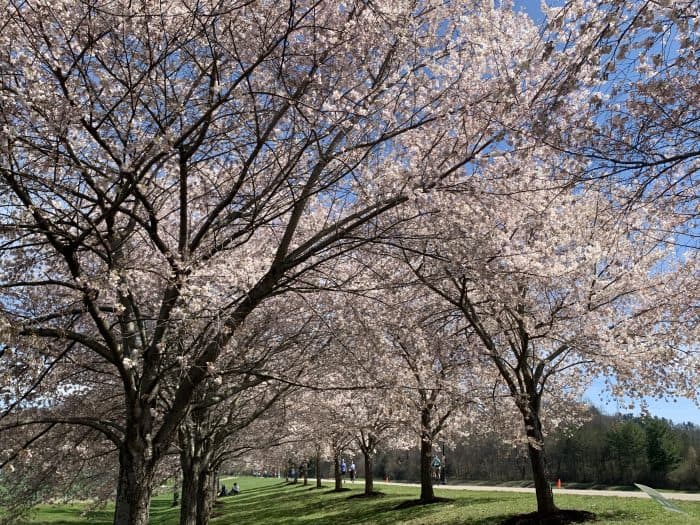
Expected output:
(685, 496)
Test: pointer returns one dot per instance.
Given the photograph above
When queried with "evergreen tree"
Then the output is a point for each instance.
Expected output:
(663, 449)
(627, 448)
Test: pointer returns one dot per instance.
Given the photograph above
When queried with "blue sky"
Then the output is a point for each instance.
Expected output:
(531, 6)
(679, 410)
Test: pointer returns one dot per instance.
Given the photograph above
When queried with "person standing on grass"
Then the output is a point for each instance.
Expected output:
(352, 471)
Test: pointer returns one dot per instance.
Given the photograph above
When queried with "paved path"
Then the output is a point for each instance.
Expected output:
(577, 492)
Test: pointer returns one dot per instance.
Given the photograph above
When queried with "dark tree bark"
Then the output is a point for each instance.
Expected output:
(336, 473)
(318, 468)
(369, 476)
(535, 448)
(426, 458)
(208, 485)
(426, 481)
(134, 488)
(190, 480)
(199, 472)
(367, 442)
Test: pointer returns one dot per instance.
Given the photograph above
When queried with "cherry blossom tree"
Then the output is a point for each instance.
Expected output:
(276, 347)
(413, 356)
(372, 416)
(302, 426)
(635, 117)
(208, 438)
(81, 467)
(165, 162)
(435, 377)
(558, 284)
(335, 430)
(368, 404)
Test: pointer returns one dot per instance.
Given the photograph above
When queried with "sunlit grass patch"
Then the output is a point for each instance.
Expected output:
(265, 501)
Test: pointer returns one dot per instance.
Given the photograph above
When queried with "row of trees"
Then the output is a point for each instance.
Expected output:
(609, 450)
(228, 225)
(632, 450)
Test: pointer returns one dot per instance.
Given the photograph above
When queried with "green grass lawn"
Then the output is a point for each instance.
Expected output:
(272, 502)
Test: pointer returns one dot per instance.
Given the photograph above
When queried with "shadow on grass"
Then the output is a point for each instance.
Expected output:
(282, 504)
(285, 507)
(263, 488)
(336, 491)
(374, 494)
(419, 502)
(71, 521)
(560, 517)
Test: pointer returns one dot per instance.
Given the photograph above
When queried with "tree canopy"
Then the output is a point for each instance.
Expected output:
(207, 204)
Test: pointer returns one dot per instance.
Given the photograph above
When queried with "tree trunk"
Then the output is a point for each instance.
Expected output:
(134, 487)
(369, 477)
(188, 505)
(535, 448)
(336, 472)
(305, 474)
(200, 479)
(426, 459)
(191, 465)
(318, 469)
(208, 485)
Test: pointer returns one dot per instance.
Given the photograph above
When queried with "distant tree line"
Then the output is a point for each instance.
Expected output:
(607, 449)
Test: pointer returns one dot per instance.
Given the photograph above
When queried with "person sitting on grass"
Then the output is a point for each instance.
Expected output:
(234, 490)
(222, 492)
